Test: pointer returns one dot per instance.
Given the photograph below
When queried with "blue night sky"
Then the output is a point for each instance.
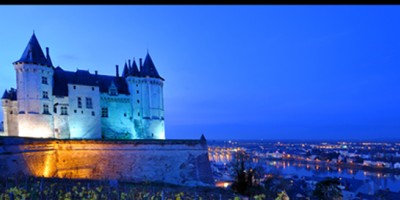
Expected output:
(235, 71)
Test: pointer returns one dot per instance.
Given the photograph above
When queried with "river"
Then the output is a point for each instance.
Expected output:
(383, 180)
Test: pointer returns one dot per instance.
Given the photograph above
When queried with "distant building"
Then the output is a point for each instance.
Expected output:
(396, 165)
(50, 102)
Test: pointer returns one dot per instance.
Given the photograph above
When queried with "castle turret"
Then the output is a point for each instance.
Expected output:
(146, 89)
(10, 112)
(34, 91)
(152, 101)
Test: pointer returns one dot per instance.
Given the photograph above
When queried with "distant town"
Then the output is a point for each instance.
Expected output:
(365, 169)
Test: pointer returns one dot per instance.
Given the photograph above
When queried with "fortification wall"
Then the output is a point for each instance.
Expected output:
(182, 162)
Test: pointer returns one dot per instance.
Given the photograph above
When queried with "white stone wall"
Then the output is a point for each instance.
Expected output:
(154, 129)
(10, 117)
(148, 107)
(61, 121)
(30, 88)
(119, 123)
(145, 97)
(135, 90)
(35, 125)
(153, 107)
(82, 123)
(32, 121)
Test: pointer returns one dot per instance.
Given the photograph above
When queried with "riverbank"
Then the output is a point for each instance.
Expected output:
(342, 166)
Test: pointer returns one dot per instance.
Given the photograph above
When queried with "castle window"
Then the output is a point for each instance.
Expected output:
(92, 88)
(138, 101)
(11, 112)
(74, 111)
(89, 102)
(55, 109)
(138, 114)
(104, 112)
(45, 95)
(44, 80)
(46, 109)
(64, 110)
(79, 102)
(74, 87)
(137, 91)
(113, 91)
(124, 114)
(92, 113)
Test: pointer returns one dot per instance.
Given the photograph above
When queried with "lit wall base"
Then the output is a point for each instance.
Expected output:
(35, 125)
(153, 129)
(181, 162)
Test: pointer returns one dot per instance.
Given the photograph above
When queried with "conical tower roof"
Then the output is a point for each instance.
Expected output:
(149, 69)
(134, 69)
(33, 53)
(125, 72)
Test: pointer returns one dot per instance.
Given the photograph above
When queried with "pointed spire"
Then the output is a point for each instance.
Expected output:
(5, 95)
(134, 69)
(149, 69)
(125, 72)
(33, 53)
(203, 139)
(10, 94)
(140, 65)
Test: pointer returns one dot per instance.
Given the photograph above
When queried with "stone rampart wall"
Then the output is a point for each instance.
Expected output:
(182, 162)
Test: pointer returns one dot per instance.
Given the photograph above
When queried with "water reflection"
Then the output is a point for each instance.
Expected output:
(383, 180)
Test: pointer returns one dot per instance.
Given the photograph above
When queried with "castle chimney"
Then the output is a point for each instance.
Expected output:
(95, 72)
(116, 70)
(47, 53)
(140, 64)
(129, 63)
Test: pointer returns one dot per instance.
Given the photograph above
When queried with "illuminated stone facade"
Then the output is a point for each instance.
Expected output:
(50, 102)
(181, 162)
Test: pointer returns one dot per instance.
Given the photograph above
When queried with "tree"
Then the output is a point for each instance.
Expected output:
(282, 196)
(245, 175)
(275, 184)
(328, 189)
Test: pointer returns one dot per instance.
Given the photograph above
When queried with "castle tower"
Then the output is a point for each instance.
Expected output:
(35, 91)
(146, 89)
(152, 101)
(133, 80)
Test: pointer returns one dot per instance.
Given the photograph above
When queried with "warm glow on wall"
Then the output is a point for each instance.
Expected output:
(47, 165)
(34, 128)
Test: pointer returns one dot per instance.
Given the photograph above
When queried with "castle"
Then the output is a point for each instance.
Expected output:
(54, 119)
(50, 102)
